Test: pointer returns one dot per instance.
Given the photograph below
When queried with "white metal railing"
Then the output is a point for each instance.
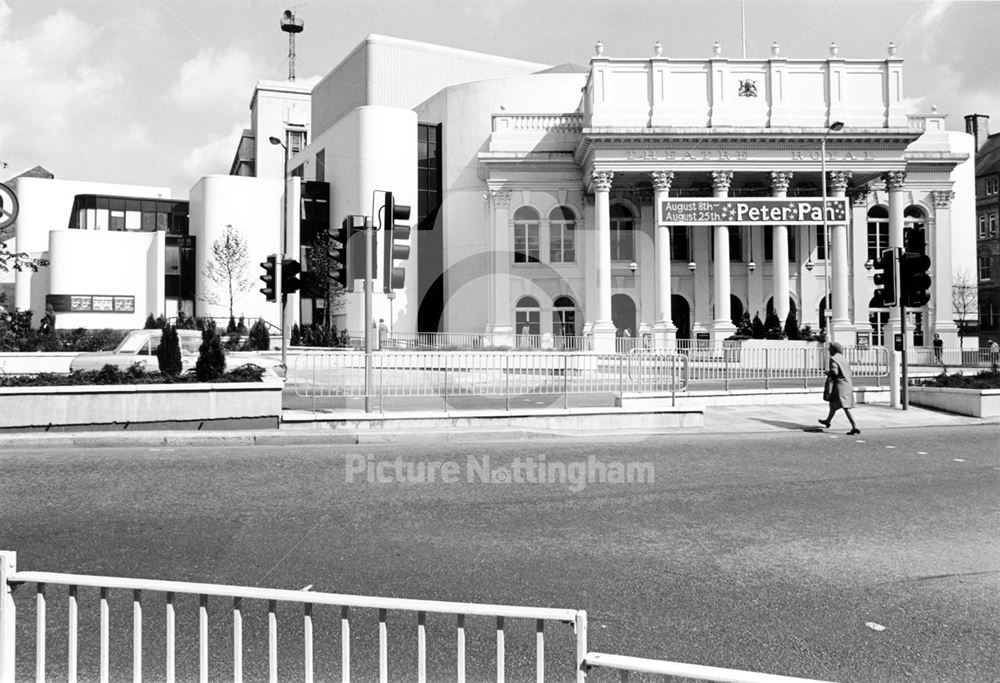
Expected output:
(458, 373)
(345, 608)
(10, 579)
(953, 356)
(628, 665)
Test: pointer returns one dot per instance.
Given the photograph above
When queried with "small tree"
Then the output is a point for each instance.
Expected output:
(791, 326)
(168, 354)
(260, 338)
(745, 328)
(150, 323)
(964, 301)
(320, 285)
(227, 267)
(758, 327)
(211, 363)
(772, 326)
(296, 336)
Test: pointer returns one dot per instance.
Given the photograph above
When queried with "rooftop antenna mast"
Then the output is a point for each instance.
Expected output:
(291, 25)
(743, 24)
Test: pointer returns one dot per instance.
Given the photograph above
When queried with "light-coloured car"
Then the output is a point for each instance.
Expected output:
(139, 346)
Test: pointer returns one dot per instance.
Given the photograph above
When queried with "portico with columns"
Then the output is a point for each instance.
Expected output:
(656, 129)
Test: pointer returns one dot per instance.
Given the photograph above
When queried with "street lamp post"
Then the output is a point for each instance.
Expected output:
(284, 245)
(828, 311)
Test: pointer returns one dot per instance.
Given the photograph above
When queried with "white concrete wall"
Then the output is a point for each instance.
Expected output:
(45, 205)
(466, 112)
(85, 262)
(370, 151)
(251, 205)
(275, 106)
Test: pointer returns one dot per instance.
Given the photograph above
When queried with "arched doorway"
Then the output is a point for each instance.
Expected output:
(623, 314)
(680, 314)
(563, 317)
(792, 308)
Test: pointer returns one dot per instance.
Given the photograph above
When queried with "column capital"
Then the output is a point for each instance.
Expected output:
(662, 180)
(837, 180)
(894, 180)
(602, 180)
(721, 180)
(943, 198)
(780, 180)
(499, 198)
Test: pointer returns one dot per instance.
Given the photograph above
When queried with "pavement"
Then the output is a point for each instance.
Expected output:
(718, 420)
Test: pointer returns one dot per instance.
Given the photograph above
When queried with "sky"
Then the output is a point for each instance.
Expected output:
(156, 92)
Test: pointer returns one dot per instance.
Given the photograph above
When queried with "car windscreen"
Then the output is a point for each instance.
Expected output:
(133, 342)
(190, 345)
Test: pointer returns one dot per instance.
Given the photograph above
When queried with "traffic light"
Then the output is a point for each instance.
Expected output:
(885, 278)
(290, 283)
(268, 290)
(395, 243)
(336, 249)
(914, 280)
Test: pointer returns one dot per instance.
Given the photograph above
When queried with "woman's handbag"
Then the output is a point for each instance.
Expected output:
(829, 388)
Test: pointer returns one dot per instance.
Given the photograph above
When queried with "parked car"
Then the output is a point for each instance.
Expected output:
(139, 346)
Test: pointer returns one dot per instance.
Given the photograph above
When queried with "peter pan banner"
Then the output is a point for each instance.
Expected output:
(756, 211)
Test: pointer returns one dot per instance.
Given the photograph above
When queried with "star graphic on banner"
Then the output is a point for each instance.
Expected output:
(728, 211)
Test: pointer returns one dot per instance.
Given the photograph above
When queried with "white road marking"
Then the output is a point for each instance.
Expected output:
(890, 446)
(873, 626)
(958, 459)
(921, 452)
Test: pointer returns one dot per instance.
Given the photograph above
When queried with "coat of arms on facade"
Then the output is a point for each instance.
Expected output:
(748, 88)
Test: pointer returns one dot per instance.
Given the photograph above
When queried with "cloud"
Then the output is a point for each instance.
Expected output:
(215, 79)
(215, 156)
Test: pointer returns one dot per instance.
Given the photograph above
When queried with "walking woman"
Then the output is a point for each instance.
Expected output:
(841, 394)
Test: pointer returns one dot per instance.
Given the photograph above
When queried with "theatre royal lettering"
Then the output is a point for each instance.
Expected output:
(740, 155)
(757, 211)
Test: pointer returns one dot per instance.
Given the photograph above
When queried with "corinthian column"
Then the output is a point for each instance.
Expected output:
(941, 303)
(722, 324)
(837, 182)
(780, 181)
(501, 327)
(604, 328)
(664, 332)
(895, 184)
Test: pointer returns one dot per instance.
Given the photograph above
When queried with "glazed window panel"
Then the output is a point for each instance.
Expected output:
(526, 235)
(878, 232)
(562, 235)
(984, 268)
(680, 243)
(622, 234)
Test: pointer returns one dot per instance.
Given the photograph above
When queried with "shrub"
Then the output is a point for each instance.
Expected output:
(168, 354)
(245, 373)
(296, 336)
(260, 338)
(772, 326)
(758, 327)
(150, 323)
(211, 357)
(745, 329)
(791, 326)
(984, 379)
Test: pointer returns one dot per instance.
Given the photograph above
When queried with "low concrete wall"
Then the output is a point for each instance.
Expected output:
(746, 397)
(140, 406)
(33, 363)
(974, 402)
(572, 421)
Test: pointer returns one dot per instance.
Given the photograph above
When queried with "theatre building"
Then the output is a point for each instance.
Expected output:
(653, 196)
(563, 200)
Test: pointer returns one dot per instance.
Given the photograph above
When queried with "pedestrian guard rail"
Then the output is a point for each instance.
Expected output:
(460, 373)
(515, 373)
(331, 606)
(948, 356)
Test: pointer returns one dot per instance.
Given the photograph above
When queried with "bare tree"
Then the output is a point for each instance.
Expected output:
(322, 285)
(964, 301)
(228, 267)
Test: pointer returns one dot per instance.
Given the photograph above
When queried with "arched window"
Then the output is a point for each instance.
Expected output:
(527, 316)
(562, 235)
(914, 235)
(526, 224)
(878, 231)
(563, 317)
(622, 234)
(878, 316)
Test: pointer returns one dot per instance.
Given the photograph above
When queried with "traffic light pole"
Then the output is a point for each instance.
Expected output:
(369, 251)
(904, 390)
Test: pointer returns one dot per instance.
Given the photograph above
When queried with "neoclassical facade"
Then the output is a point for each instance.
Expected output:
(653, 133)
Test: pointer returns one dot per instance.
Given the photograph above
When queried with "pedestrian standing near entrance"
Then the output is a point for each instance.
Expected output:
(839, 390)
(938, 347)
(383, 333)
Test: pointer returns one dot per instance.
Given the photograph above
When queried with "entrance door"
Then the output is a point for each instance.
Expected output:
(623, 314)
(680, 314)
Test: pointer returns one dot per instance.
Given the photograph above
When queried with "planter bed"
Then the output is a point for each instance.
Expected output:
(974, 402)
(235, 405)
